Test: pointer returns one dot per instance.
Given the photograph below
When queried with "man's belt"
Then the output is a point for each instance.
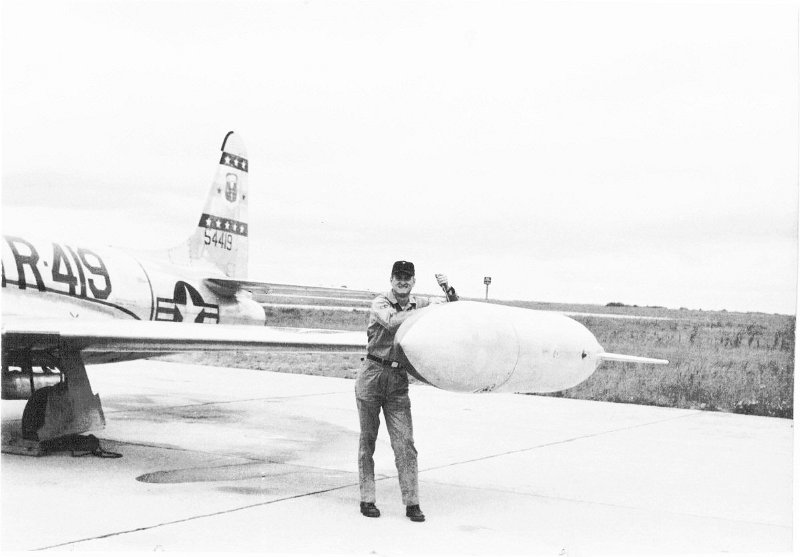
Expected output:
(390, 363)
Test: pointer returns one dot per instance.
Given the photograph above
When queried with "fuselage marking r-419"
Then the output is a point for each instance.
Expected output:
(94, 282)
(73, 271)
(62, 272)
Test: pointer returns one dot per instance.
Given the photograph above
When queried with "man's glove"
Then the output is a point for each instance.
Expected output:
(448, 290)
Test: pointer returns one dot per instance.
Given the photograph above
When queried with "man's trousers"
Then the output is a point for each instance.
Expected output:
(379, 386)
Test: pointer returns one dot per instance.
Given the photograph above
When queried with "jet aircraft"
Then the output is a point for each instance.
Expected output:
(66, 306)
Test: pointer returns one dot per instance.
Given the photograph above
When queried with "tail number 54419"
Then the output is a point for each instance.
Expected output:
(222, 240)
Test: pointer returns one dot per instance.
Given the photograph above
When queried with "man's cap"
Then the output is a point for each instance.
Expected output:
(403, 267)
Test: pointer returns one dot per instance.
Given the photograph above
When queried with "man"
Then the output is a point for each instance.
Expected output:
(383, 383)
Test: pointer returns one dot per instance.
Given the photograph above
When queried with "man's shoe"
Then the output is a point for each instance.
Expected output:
(370, 510)
(414, 513)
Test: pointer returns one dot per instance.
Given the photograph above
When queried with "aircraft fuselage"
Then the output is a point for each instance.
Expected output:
(60, 280)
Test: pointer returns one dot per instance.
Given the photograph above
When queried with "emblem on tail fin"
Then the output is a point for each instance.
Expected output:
(230, 187)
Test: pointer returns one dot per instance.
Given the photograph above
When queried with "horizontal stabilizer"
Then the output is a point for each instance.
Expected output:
(625, 358)
(228, 287)
(271, 292)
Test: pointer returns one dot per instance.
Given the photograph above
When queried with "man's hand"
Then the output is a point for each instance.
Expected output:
(449, 291)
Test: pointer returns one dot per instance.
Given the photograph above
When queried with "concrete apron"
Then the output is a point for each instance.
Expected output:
(228, 460)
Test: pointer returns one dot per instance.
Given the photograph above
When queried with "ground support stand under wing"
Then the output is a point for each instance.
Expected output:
(71, 407)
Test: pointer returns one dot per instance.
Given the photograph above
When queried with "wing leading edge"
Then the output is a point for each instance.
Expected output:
(146, 336)
(66, 346)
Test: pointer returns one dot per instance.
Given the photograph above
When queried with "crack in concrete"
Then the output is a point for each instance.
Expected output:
(613, 505)
(563, 441)
(190, 518)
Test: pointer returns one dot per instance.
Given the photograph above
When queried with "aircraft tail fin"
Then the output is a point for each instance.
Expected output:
(221, 236)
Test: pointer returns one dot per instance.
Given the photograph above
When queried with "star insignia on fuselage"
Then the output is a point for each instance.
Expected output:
(186, 305)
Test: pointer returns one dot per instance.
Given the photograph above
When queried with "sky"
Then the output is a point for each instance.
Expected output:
(582, 152)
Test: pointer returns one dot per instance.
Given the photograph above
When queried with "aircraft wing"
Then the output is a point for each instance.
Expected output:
(143, 337)
(614, 315)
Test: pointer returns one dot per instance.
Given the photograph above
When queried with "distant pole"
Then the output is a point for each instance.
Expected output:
(487, 281)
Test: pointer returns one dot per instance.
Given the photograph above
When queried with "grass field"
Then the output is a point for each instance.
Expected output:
(735, 364)
(727, 361)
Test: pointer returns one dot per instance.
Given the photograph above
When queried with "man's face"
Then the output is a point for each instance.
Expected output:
(402, 284)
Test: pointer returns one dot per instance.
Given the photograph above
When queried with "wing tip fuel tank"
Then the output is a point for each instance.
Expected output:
(480, 347)
(460, 346)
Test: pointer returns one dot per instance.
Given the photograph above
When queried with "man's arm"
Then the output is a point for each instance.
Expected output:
(382, 312)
